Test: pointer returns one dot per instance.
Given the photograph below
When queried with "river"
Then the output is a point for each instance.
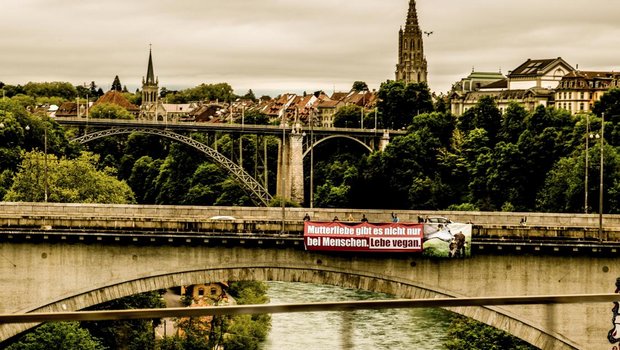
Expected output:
(420, 329)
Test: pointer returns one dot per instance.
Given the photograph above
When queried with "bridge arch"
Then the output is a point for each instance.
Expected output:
(318, 142)
(137, 273)
(245, 179)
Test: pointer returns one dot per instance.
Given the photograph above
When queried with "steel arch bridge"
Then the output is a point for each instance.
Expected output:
(308, 146)
(245, 179)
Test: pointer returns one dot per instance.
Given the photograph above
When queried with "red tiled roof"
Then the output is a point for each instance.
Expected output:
(117, 98)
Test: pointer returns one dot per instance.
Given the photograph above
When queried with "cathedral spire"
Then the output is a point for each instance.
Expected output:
(150, 75)
(412, 17)
(411, 67)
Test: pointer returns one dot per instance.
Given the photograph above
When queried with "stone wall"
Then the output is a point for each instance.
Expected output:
(9, 209)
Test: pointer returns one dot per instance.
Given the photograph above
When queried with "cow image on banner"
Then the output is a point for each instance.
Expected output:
(614, 334)
(447, 240)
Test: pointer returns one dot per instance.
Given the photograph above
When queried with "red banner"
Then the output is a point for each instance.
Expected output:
(363, 237)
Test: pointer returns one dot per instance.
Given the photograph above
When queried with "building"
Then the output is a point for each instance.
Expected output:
(578, 90)
(411, 67)
(477, 80)
(531, 84)
(116, 98)
(150, 92)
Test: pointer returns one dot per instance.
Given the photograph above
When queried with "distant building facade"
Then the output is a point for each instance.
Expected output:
(411, 67)
(531, 84)
(578, 90)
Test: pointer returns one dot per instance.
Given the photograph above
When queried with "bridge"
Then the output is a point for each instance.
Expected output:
(296, 143)
(63, 257)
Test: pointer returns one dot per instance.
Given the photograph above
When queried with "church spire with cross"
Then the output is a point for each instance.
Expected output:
(150, 85)
(411, 67)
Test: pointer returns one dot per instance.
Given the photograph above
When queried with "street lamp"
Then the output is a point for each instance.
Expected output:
(45, 160)
(600, 137)
(600, 193)
(585, 206)
(283, 172)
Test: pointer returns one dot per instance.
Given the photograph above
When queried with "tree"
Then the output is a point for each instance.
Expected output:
(348, 117)
(93, 89)
(467, 334)
(116, 84)
(253, 116)
(128, 334)
(51, 89)
(359, 86)
(610, 105)
(250, 95)
(513, 123)
(68, 181)
(58, 335)
(109, 111)
(399, 102)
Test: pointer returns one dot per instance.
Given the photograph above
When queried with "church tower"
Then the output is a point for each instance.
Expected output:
(411, 67)
(150, 86)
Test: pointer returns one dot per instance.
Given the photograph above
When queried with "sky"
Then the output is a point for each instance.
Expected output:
(278, 46)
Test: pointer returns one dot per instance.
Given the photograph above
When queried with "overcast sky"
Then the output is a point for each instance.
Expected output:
(275, 46)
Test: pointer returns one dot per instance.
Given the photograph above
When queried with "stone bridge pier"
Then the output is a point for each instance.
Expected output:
(290, 182)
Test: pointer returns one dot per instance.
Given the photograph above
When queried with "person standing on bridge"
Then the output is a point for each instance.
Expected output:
(395, 218)
(306, 217)
(364, 218)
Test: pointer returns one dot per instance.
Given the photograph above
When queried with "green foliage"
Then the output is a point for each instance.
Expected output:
(116, 84)
(109, 111)
(248, 331)
(58, 336)
(463, 207)
(359, 86)
(51, 89)
(348, 117)
(249, 95)
(69, 181)
(467, 334)
(276, 201)
(203, 92)
(253, 116)
(399, 102)
(130, 334)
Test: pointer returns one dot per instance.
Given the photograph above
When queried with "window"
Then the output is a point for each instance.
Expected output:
(581, 106)
(582, 95)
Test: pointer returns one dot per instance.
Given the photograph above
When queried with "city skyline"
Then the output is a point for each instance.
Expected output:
(278, 46)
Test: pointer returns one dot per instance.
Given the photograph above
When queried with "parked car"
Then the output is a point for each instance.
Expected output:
(223, 218)
(438, 220)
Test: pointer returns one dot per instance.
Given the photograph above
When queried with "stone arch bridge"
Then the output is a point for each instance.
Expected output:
(68, 257)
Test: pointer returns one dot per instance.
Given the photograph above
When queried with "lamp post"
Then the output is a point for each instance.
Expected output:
(585, 206)
(283, 167)
(45, 160)
(311, 158)
(600, 193)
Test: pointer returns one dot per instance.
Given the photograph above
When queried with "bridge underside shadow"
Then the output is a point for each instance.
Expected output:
(65, 277)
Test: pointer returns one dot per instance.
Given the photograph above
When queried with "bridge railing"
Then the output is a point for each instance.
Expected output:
(255, 219)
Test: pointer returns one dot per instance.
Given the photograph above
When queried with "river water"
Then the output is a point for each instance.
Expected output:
(420, 329)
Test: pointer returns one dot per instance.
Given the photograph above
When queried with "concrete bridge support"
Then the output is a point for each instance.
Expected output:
(69, 276)
(291, 163)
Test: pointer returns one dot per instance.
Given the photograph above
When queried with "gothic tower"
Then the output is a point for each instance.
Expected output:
(411, 67)
(150, 86)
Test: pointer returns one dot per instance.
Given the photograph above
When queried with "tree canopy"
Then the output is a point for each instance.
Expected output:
(67, 181)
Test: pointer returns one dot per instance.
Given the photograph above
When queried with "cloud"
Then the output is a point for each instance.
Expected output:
(285, 45)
